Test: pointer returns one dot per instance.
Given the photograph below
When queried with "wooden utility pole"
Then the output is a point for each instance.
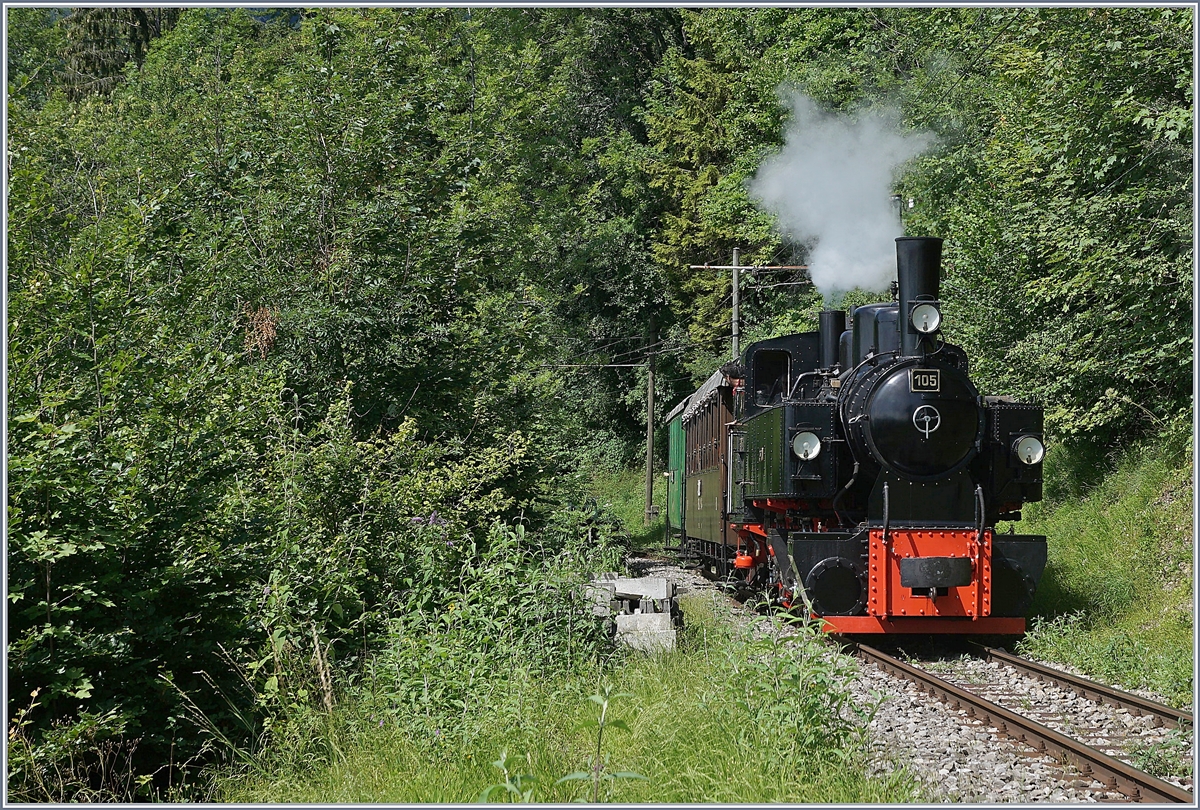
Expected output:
(737, 269)
(650, 512)
(737, 288)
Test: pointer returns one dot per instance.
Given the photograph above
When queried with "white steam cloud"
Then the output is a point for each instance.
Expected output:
(830, 187)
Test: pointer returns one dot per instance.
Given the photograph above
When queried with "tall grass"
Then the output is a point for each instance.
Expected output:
(730, 716)
(1116, 598)
(623, 494)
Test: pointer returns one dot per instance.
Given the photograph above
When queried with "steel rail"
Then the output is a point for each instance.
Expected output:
(1098, 692)
(1118, 775)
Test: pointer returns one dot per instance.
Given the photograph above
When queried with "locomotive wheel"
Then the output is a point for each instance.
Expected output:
(780, 592)
(709, 568)
(748, 579)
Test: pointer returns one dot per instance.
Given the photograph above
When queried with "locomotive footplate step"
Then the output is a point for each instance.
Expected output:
(988, 625)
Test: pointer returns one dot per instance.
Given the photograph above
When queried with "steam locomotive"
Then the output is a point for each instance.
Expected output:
(856, 472)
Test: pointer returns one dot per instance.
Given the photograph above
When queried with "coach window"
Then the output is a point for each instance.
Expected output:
(712, 412)
(708, 438)
(695, 442)
(689, 444)
(712, 433)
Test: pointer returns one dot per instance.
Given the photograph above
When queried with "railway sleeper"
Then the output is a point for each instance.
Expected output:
(1117, 775)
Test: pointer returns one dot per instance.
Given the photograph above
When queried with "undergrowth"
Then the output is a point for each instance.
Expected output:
(732, 713)
(1166, 758)
(1116, 597)
(623, 494)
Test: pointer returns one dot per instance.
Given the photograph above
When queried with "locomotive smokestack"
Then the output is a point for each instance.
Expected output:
(833, 323)
(918, 272)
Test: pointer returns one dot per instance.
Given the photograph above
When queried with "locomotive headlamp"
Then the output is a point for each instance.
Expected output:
(926, 318)
(806, 445)
(1029, 449)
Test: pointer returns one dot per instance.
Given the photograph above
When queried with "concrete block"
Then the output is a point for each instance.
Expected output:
(661, 641)
(649, 588)
(602, 597)
(599, 592)
(642, 610)
(643, 622)
(647, 632)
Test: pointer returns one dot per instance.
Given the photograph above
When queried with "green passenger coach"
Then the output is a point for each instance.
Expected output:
(675, 465)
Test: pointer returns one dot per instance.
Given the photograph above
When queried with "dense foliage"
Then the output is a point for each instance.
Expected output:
(310, 313)
(1062, 181)
(1094, 608)
(739, 709)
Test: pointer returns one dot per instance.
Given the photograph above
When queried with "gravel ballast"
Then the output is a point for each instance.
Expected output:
(959, 758)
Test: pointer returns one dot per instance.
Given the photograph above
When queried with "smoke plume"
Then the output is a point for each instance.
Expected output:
(830, 187)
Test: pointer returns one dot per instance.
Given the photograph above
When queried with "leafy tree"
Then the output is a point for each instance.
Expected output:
(1066, 215)
(100, 42)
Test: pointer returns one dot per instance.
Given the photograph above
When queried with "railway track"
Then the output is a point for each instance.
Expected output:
(1097, 692)
(1088, 760)
(1090, 768)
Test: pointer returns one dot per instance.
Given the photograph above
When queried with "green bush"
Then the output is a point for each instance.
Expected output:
(289, 554)
(1115, 599)
(623, 495)
(733, 713)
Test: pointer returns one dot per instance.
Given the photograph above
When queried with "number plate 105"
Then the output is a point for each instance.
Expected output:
(924, 380)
